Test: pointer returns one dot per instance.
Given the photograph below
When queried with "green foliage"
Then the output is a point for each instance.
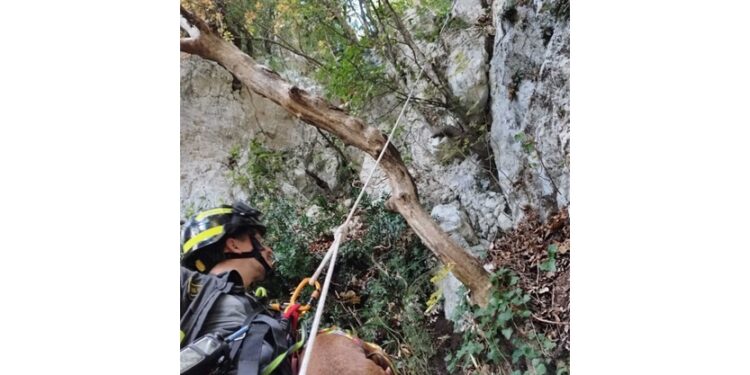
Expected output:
(440, 7)
(462, 61)
(384, 265)
(496, 336)
(549, 264)
(345, 45)
(258, 174)
(527, 143)
(351, 74)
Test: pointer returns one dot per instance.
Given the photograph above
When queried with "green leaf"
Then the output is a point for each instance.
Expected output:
(541, 369)
(562, 368)
(546, 343)
(494, 355)
(517, 354)
(507, 332)
(504, 317)
(548, 265)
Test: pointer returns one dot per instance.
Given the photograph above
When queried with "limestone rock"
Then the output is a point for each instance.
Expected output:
(451, 296)
(529, 83)
(219, 118)
(453, 220)
(469, 11)
(467, 69)
(313, 212)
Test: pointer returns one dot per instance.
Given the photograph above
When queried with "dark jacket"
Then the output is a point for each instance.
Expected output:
(218, 304)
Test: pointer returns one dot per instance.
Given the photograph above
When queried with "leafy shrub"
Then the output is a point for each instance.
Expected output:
(496, 335)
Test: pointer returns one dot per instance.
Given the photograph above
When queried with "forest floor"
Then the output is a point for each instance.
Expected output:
(527, 251)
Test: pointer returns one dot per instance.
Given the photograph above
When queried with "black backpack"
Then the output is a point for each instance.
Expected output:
(198, 294)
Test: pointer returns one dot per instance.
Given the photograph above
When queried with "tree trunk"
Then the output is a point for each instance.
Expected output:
(352, 131)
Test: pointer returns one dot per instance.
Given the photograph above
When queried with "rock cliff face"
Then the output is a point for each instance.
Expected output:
(507, 65)
(529, 85)
(219, 118)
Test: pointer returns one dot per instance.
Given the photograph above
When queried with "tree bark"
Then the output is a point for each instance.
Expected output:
(352, 131)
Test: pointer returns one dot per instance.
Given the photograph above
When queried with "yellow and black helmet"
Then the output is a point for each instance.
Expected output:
(209, 227)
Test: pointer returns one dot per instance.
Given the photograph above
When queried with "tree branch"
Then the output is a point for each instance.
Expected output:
(191, 30)
(290, 49)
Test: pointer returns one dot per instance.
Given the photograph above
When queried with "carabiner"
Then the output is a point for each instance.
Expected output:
(298, 291)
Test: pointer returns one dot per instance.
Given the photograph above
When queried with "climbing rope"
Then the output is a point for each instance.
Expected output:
(340, 233)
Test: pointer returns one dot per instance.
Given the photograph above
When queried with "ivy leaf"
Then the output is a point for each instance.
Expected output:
(541, 369)
(494, 355)
(504, 317)
(517, 354)
(507, 332)
(548, 265)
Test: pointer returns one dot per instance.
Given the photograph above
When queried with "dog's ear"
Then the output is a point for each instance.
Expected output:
(377, 355)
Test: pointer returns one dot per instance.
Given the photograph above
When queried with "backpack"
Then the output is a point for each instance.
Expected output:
(198, 294)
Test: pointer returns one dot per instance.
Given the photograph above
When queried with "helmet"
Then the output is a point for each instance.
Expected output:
(209, 227)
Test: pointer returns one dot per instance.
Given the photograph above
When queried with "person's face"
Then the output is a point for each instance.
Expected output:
(266, 252)
(245, 245)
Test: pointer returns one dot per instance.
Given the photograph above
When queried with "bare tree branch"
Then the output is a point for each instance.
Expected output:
(290, 49)
(192, 31)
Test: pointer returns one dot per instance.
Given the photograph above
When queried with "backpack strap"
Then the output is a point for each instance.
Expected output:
(263, 329)
(278, 331)
(235, 345)
(252, 347)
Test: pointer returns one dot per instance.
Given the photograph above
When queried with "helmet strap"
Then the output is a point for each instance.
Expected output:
(255, 253)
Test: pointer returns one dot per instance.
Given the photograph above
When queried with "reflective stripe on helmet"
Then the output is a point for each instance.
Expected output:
(208, 233)
(215, 211)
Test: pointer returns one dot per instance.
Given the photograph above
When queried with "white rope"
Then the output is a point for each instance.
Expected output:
(343, 229)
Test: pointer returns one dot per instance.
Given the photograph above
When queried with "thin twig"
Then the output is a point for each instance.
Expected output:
(350, 312)
(290, 49)
(549, 321)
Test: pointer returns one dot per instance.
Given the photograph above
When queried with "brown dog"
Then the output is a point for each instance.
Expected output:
(335, 354)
